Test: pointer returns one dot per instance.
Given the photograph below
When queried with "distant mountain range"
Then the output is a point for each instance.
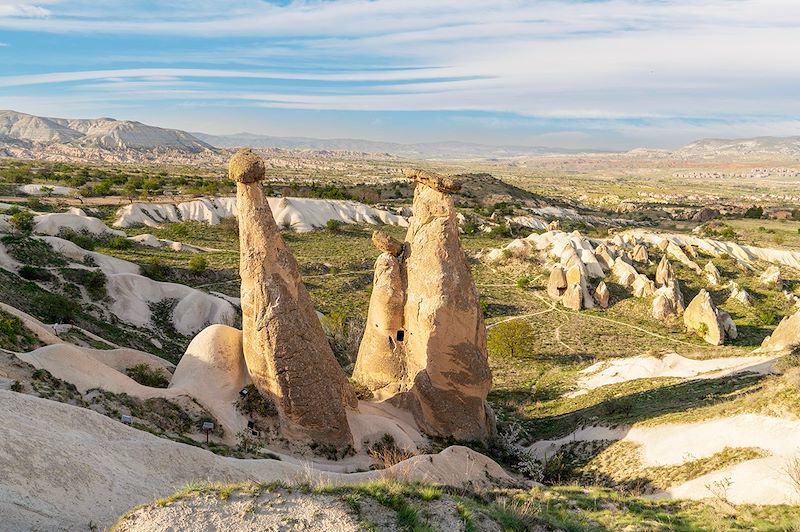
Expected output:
(109, 140)
(423, 150)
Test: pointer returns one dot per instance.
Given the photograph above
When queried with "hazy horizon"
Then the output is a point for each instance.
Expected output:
(611, 75)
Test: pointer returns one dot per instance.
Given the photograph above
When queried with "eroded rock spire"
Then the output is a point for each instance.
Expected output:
(424, 346)
(288, 357)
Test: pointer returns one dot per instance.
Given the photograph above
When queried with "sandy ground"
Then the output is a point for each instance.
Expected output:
(760, 481)
(620, 370)
(64, 466)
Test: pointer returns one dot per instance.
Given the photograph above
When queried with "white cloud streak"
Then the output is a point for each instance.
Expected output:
(618, 59)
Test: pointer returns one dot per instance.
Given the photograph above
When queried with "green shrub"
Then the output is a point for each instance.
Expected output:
(198, 264)
(119, 242)
(523, 282)
(22, 222)
(754, 212)
(93, 280)
(145, 375)
(10, 326)
(333, 225)
(83, 240)
(34, 273)
(254, 403)
(155, 269)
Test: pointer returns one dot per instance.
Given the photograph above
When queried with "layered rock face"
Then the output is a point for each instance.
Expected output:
(424, 347)
(287, 355)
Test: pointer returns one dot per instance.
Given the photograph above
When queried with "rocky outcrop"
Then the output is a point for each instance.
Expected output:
(576, 276)
(424, 348)
(285, 348)
(785, 337)
(642, 286)
(624, 272)
(557, 282)
(703, 318)
(741, 295)
(664, 272)
(602, 295)
(712, 274)
(772, 277)
(640, 254)
(604, 256)
(573, 297)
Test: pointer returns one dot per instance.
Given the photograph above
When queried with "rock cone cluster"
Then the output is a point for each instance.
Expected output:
(285, 348)
(424, 347)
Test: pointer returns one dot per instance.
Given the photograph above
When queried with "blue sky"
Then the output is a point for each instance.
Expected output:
(607, 74)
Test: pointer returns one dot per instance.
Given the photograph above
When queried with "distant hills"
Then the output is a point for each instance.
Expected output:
(757, 147)
(425, 150)
(109, 140)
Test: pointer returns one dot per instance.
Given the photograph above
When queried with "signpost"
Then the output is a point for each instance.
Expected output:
(208, 426)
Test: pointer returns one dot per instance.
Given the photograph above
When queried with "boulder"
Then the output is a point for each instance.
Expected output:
(642, 286)
(705, 214)
(772, 277)
(386, 243)
(424, 349)
(287, 354)
(576, 274)
(602, 295)
(785, 337)
(663, 305)
(640, 254)
(573, 297)
(664, 272)
(702, 317)
(624, 273)
(727, 325)
(712, 274)
(557, 282)
(741, 295)
(604, 256)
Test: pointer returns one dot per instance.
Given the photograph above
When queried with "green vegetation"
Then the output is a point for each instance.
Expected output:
(574, 509)
(146, 375)
(198, 264)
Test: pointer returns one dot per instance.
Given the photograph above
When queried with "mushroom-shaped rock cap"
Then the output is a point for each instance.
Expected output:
(246, 167)
(438, 182)
(386, 243)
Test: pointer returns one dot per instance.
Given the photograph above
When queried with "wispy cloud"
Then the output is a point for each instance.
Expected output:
(610, 61)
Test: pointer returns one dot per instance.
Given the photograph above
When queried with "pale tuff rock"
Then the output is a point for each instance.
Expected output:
(712, 274)
(741, 295)
(624, 273)
(286, 351)
(576, 275)
(702, 317)
(604, 257)
(557, 283)
(440, 183)
(785, 337)
(386, 243)
(602, 295)
(727, 325)
(425, 344)
(555, 225)
(640, 254)
(663, 306)
(772, 277)
(678, 254)
(573, 297)
(691, 251)
(642, 286)
(664, 272)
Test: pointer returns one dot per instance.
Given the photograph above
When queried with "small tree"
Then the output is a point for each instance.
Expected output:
(22, 222)
(510, 338)
(333, 225)
(198, 264)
